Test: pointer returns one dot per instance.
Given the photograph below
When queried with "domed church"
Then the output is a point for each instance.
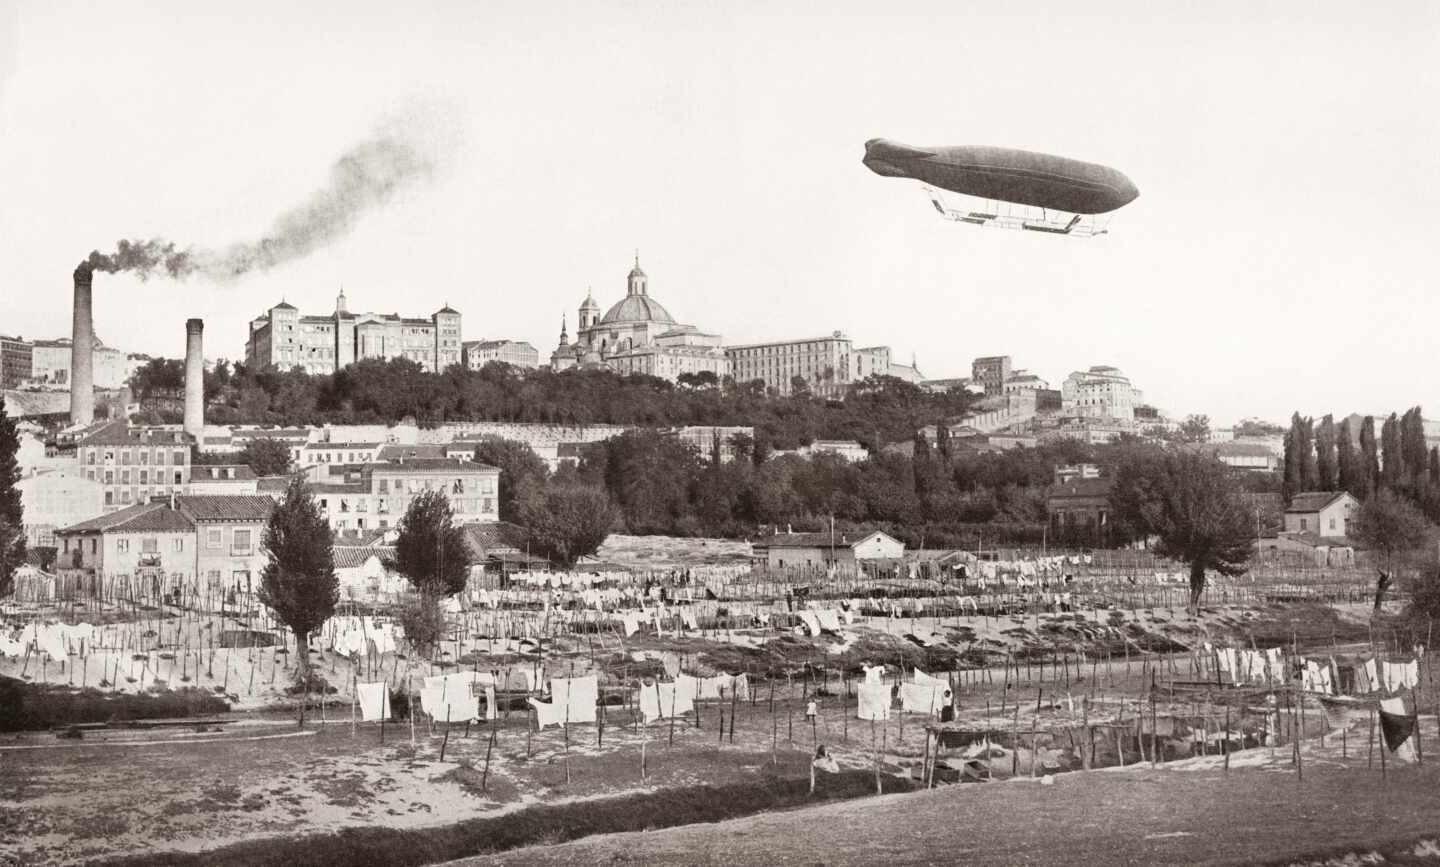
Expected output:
(638, 335)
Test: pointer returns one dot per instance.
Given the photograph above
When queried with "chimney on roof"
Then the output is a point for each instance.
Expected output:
(82, 350)
(195, 378)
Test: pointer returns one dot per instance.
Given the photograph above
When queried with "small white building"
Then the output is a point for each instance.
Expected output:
(1322, 513)
(53, 501)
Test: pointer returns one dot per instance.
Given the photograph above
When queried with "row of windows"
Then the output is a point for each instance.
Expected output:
(240, 539)
(142, 477)
(129, 496)
(139, 456)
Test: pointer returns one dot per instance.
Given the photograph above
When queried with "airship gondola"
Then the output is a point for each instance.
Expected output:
(1008, 188)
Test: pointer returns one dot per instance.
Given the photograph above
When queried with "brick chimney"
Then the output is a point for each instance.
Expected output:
(195, 378)
(82, 351)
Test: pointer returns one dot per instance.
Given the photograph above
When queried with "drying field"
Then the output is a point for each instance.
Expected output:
(239, 781)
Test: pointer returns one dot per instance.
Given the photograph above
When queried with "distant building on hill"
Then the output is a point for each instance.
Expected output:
(282, 337)
(518, 353)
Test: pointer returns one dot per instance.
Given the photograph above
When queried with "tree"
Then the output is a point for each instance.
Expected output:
(522, 472)
(1195, 429)
(570, 521)
(1325, 457)
(1392, 466)
(1390, 526)
(12, 511)
(1414, 451)
(1309, 466)
(298, 582)
(266, 456)
(1192, 504)
(432, 550)
(1347, 461)
(1369, 458)
(1297, 446)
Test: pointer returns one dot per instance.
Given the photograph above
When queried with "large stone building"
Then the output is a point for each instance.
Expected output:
(518, 353)
(990, 373)
(638, 335)
(285, 338)
(134, 465)
(828, 365)
(111, 368)
(1100, 392)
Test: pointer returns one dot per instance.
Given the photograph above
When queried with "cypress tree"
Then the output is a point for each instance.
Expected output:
(1369, 457)
(12, 511)
(1293, 480)
(1347, 463)
(1309, 469)
(1325, 457)
(1435, 467)
(299, 580)
(1414, 450)
(1392, 465)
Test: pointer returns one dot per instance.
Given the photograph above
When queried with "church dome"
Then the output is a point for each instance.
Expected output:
(637, 308)
(589, 303)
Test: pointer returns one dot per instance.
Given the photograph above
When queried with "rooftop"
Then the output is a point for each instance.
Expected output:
(431, 465)
(119, 433)
(252, 508)
(1314, 501)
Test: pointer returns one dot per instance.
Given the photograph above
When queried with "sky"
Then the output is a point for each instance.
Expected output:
(1282, 254)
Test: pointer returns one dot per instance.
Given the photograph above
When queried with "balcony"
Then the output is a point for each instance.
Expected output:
(242, 550)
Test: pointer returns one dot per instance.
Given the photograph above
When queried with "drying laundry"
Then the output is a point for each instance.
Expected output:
(374, 701)
(874, 701)
(575, 697)
(547, 713)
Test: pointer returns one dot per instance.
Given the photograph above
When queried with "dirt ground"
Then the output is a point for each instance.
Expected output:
(1339, 813)
(260, 776)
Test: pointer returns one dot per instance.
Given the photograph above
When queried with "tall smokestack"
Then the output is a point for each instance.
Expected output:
(82, 351)
(194, 378)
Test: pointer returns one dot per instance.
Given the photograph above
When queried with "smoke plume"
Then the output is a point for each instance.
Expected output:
(363, 178)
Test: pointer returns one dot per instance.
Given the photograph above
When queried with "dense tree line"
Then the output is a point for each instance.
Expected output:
(941, 495)
(1334, 457)
(879, 410)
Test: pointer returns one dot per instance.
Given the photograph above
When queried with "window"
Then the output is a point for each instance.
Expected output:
(179, 458)
(144, 477)
(488, 505)
(177, 477)
(242, 542)
(109, 477)
(124, 477)
(1304, 524)
(94, 546)
(122, 545)
(150, 546)
(1332, 523)
(214, 538)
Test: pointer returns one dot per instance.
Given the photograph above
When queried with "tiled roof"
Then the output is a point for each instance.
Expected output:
(272, 484)
(409, 452)
(1313, 501)
(486, 538)
(438, 465)
(119, 433)
(355, 556)
(806, 540)
(253, 507)
(163, 520)
(105, 522)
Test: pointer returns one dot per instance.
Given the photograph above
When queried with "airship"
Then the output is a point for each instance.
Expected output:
(1009, 188)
